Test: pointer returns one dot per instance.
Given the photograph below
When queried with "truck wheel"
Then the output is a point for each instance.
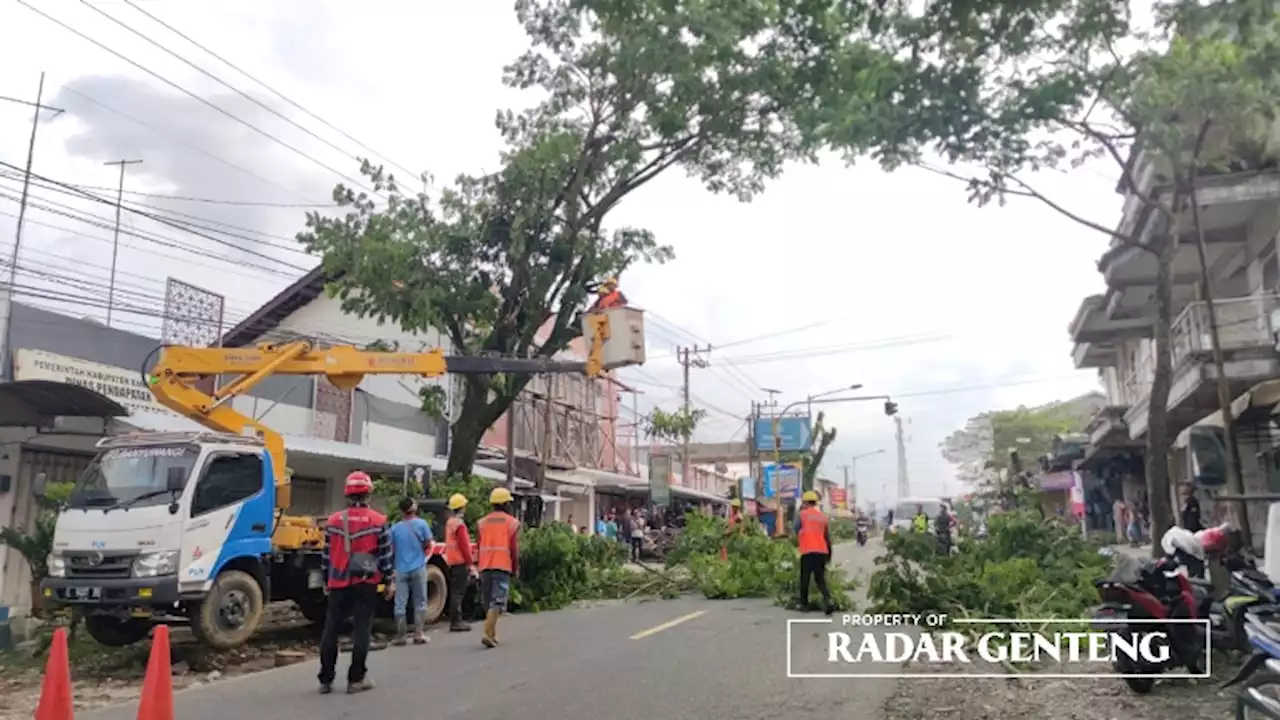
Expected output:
(116, 632)
(437, 592)
(230, 613)
(313, 611)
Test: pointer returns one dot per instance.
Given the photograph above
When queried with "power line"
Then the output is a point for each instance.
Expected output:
(206, 73)
(197, 98)
(270, 89)
(214, 201)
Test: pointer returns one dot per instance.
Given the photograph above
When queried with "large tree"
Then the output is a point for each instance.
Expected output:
(1192, 94)
(728, 92)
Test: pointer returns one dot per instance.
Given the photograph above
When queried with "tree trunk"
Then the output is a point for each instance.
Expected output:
(1157, 456)
(469, 429)
(1235, 469)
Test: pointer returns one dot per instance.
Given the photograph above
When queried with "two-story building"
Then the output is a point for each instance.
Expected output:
(1112, 331)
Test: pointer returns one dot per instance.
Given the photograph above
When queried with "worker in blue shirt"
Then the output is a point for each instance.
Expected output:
(411, 542)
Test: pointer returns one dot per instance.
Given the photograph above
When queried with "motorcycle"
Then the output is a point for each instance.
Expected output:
(862, 535)
(1157, 591)
(1248, 588)
(1264, 639)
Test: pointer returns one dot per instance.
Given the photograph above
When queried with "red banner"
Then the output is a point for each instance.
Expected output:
(839, 498)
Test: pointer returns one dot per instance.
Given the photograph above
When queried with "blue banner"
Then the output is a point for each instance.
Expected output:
(783, 480)
(747, 488)
(793, 434)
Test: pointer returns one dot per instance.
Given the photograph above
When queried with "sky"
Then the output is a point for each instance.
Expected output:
(835, 276)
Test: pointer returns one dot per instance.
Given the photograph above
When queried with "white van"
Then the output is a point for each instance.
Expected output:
(906, 509)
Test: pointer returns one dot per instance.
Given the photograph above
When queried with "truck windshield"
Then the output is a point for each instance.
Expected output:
(132, 477)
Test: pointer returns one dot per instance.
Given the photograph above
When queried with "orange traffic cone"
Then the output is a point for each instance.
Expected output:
(157, 688)
(55, 694)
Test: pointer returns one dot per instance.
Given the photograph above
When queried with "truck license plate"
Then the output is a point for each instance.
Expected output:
(84, 594)
(315, 580)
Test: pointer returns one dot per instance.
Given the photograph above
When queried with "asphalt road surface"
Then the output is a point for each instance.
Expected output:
(685, 658)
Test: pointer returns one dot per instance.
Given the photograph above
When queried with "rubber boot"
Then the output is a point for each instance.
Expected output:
(400, 631)
(419, 628)
(459, 626)
(490, 638)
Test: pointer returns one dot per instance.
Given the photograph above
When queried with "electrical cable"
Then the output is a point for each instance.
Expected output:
(267, 87)
(196, 97)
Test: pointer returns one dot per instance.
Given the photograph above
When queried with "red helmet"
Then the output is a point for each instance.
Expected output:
(1216, 539)
(358, 483)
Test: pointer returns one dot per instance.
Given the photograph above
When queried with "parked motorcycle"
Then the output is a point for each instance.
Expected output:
(1156, 591)
(1260, 627)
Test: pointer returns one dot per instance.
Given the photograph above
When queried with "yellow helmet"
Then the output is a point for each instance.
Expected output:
(457, 501)
(499, 496)
(810, 496)
(735, 503)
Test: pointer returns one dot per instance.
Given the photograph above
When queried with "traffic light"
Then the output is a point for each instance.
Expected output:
(890, 408)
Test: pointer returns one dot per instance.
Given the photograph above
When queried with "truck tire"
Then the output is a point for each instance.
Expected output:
(230, 613)
(437, 592)
(313, 611)
(116, 632)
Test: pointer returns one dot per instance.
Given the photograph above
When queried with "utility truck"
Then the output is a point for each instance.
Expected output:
(192, 527)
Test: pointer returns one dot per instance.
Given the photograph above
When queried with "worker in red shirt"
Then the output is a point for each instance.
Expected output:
(457, 553)
(813, 532)
(499, 560)
(356, 559)
(610, 296)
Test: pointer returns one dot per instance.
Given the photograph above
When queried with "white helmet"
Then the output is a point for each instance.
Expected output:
(1182, 539)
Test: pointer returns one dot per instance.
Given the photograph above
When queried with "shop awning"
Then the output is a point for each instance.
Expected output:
(33, 403)
(691, 494)
(314, 447)
(1261, 397)
(606, 480)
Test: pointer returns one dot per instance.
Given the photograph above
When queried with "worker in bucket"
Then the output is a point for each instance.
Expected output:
(609, 296)
(499, 560)
(410, 544)
(356, 559)
(813, 532)
(457, 553)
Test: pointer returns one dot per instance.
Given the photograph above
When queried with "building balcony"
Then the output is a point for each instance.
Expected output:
(1097, 337)
(1249, 346)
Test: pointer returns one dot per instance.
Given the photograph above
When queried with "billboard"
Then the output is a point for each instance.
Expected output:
(660, 479)
(782, 479)
(839, 498)
(747, 487)
(793, 434)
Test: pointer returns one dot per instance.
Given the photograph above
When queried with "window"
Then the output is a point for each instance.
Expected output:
(227, 480)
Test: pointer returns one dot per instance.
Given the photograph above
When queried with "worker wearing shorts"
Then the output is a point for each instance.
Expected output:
(499, 560)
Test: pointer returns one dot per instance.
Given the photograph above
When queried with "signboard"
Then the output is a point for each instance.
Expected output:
(839, 498)
(660, 479)
(793, 434)
(783, 480)
(747, 488)
(124, 385)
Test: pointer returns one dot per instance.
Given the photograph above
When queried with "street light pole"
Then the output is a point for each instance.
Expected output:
(853, 471)
(777, 445)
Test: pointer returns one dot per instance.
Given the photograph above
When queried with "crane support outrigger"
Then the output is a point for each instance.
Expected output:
(171, 527)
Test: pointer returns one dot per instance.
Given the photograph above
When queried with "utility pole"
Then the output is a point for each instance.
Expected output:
(752, 468)
(689, 357)
(115, 242)
(904, 484)
(847, 504)
(6, 291)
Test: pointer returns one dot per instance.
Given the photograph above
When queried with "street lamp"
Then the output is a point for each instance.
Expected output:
(777, 441)
(851, 478)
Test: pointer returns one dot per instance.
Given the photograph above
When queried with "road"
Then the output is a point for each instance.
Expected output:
(684, 658)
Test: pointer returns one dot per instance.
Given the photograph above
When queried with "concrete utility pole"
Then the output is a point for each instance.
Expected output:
(689, 357)
(752, 465)
(904, 484)
(548, 432)
(7, 290)
(115, 242)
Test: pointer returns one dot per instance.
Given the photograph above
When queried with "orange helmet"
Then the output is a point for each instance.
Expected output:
(358, 483)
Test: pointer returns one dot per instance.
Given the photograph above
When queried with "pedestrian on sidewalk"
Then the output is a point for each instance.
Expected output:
(1191, 509)
(813, 532)
(637, 536)
(457, 553)
(499, 560)
(411, 542)
(356, 558)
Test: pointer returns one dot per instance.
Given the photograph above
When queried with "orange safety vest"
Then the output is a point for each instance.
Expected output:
(452, 553)
(495, 531)
(613, 299)
(813, 532)
(351, 531)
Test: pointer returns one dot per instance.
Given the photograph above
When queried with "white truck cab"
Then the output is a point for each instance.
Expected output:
(168, 526)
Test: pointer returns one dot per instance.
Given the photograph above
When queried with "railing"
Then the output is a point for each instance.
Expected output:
(1243, 323)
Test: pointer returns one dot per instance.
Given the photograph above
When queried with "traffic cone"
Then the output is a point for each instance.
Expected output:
(157, 688)
(55, 693)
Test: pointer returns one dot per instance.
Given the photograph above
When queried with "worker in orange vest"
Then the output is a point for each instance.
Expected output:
(356, 559)
(610, 296)
(813, 531)
(457, 554)
(499, 560)
(733, 526)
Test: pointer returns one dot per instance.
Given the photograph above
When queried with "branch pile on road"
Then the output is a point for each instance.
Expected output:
(757, 566)
(559, 567)
(1027, 567)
